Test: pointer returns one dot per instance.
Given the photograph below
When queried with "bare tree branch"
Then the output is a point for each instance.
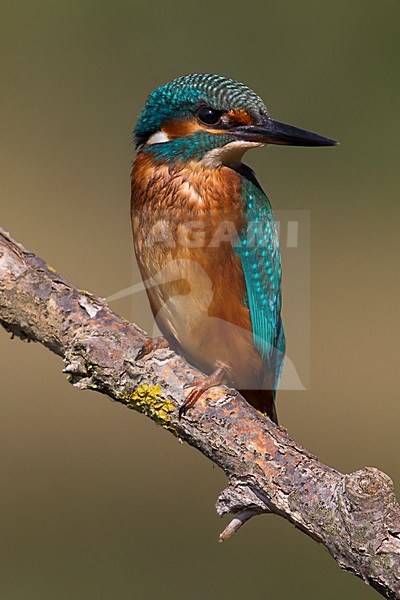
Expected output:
(355, 516)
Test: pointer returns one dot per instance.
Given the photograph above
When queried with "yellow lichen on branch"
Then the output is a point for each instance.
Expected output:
(148, 399)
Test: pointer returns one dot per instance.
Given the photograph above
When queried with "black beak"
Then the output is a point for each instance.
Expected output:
(274, 132)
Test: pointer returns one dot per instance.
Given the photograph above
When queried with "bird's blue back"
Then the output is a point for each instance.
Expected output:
(258, 250)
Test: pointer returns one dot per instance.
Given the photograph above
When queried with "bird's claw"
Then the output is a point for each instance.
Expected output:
(151, 345)
(199, 387)
(189, 385)
(142, 352)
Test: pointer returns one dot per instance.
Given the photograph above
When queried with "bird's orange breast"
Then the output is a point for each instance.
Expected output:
(185, 219)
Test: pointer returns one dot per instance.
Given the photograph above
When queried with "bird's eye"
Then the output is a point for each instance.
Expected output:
(209, 116)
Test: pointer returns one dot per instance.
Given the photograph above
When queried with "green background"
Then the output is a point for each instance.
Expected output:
(97, 502)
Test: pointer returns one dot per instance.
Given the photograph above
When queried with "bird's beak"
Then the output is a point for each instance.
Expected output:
(274, 132)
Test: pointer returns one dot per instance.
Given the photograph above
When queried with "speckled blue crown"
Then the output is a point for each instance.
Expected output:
(183, 96)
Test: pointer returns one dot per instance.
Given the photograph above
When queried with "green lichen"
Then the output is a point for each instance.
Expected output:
(148, 399)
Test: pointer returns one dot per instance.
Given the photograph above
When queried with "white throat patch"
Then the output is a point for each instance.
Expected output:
(230, 155)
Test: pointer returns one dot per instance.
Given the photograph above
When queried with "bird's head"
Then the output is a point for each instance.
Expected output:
(212, 119)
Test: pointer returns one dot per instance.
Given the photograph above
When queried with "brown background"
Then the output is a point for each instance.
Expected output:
(96, 502)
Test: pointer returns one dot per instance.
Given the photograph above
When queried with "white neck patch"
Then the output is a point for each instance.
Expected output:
(158, 138)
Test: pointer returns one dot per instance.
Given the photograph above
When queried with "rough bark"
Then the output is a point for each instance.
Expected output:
(355, 516)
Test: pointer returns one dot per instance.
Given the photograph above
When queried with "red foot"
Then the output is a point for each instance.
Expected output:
(199, 387)
(151, 345)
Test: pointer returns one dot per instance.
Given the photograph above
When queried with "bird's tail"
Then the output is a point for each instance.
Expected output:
(262, 400)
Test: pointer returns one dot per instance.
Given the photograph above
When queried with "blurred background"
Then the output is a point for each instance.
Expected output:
(97, 502)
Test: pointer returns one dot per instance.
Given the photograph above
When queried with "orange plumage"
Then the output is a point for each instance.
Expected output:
(211, 325)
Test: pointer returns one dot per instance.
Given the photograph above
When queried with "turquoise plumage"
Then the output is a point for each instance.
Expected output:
(259, 252)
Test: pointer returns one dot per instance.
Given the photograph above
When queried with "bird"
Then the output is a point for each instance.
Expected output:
(204, 233)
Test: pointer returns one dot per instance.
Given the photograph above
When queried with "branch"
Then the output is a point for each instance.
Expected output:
(355, 516)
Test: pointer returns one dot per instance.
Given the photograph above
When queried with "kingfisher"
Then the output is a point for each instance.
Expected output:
(204, 233)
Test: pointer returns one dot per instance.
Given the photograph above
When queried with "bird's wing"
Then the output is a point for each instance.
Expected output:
(258, 250)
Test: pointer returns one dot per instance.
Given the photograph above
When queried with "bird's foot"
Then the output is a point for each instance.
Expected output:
(200, 386)
(153, 344)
